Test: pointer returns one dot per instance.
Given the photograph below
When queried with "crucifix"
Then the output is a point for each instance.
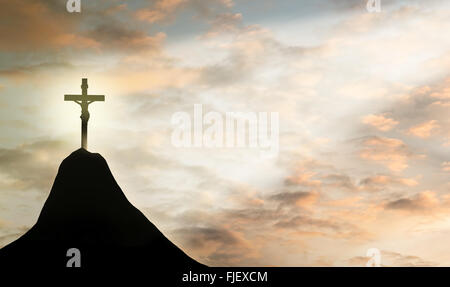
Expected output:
(84, 100)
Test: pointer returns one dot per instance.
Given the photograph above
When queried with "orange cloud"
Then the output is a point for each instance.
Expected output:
(303, 178)
(446, 166)
(443, 92)
(49, 26)
(160, 11)
(389, 151)
(150, 16)
(67, 39)
(423, 130)
(380, 122)
(28, 24)
(426, 201)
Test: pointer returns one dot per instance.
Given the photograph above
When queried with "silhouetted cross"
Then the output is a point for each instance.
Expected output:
(84, 100)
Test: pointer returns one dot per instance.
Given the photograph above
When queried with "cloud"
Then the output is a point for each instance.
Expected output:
(50, 27)
(442, 91)
(423, 130)
(18, 71)
(391, 152)
(225, 23)
(319, 226)
(60, 42)
(166, 10)
(119, 36)
(380, 122)
(299, 198)
(342, 181)
(160, 10)
(426, 201)
(116, 9)
(303, 177)
(446, 166)
(199, 236)
(31, 166)
(381, 181)
(43, 27)
(216, 246)
(251, 50)
(310, 223)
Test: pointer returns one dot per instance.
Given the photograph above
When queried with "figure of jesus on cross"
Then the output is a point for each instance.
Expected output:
(84, 100)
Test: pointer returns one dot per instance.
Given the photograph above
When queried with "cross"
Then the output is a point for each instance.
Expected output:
(84, 100)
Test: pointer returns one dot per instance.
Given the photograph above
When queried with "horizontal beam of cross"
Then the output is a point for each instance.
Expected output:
(90, 98)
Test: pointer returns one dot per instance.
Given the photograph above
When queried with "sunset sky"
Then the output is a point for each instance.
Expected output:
(364, 128)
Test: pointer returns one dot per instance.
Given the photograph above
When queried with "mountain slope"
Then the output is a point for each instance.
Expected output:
(87, 210)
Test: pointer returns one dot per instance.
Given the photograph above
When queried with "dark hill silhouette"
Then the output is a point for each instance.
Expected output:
(87, 210)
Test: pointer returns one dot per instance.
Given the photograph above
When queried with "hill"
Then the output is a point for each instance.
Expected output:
(87, 210)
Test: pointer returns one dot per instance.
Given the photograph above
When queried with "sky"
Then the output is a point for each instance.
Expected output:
(364, 135)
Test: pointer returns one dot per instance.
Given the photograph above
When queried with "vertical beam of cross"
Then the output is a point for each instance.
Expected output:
(84, 100)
